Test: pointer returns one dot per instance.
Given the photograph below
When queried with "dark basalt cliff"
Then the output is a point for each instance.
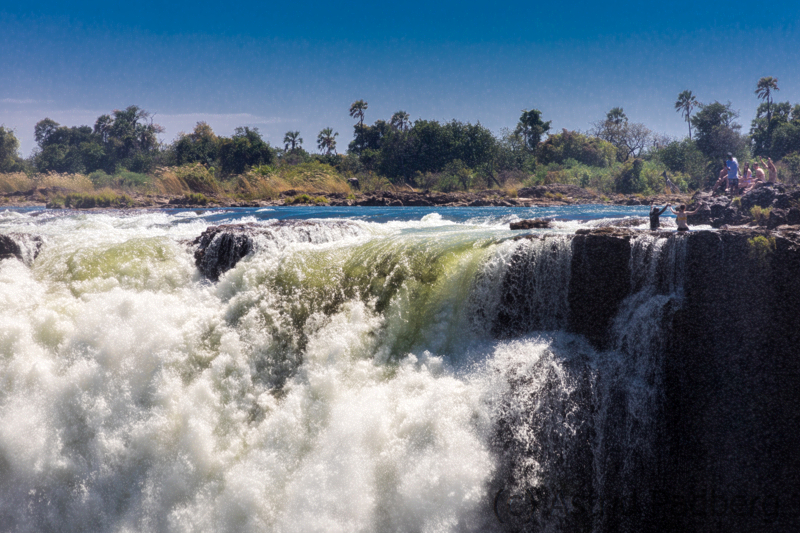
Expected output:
(728, 447)
(725, 431)
(733, 386)
(600, 280)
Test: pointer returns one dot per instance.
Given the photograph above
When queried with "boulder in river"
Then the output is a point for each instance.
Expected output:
(534, 223)
(219, 248)
(23, 247)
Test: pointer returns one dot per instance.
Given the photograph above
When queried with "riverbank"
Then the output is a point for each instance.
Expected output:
(548, 195)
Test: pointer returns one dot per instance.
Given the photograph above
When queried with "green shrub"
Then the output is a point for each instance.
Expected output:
(264, 170)
(197, 198)
(55, 202)
(737, 202)
(77, 200)
(571, 145)
(683, 157)
(300, 199)
(761, 247)
(132, 180)
(455, 176)
(760, 215)
(100, 179)
(631, 180)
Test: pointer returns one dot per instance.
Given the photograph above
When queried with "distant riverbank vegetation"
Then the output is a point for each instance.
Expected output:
(121, 152)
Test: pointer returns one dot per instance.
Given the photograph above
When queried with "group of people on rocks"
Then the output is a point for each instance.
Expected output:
(734, 184)
(730, 181)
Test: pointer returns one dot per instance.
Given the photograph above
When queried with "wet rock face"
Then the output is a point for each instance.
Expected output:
(219, 248)
(600, 281)
(22, 247)
(536, 223)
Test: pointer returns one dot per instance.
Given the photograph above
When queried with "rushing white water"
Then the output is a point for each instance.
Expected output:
(338, 380)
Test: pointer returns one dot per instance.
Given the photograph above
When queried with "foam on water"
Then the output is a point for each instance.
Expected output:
(136, 397)
(345, 380)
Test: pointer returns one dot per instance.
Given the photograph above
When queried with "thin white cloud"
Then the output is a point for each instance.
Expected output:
(18, 101)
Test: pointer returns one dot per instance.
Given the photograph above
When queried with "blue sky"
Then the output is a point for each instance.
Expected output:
(299, 66)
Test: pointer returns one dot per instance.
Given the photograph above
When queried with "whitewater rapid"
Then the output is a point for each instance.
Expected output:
(347, 382)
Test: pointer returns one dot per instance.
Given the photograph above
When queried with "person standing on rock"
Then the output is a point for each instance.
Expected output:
(654, 214)
(733, 173)
(680, 216)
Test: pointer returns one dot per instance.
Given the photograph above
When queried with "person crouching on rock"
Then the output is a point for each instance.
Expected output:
(680, 216)
(722, 181)
(654, 214)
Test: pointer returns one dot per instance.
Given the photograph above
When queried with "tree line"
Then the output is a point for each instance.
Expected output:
(428, 153)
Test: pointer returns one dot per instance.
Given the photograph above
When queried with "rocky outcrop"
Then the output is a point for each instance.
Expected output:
(219, 248)
(20, 246)
(535, 223)
(715, 211)
(718, 211)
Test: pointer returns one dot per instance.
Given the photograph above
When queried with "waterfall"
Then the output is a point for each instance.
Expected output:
(629, 388)
(340, 376)
(524, 287)
(576, 428)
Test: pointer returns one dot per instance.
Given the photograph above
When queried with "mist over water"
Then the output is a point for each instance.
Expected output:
(339, 380)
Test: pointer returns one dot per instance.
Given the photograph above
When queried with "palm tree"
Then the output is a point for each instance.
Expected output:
(326, 140)
(357, 110)
(764, 90)
(686, 102)
(616, 116)
(400, 120)
(292, 138)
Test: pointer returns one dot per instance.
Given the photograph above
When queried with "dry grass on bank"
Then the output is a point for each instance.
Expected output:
(14, 182)
(185, 180)
(19, 182)
(263, 182)
(270, 182)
